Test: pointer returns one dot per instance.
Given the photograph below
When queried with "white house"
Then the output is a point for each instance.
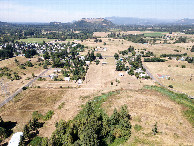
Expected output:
(82, 57)
(57, 70)
(53, 75)
(104, 63)
(87, 62)
(121, 74)
(142, 75)
(15, 139)
(139, 70)
(79, 81)
(104, 49)
(74, 45)
(67, 79)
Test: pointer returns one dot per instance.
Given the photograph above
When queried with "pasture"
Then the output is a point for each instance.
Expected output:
(35, 40)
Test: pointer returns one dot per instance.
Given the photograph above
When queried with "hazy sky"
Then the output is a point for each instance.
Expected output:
(68, 10)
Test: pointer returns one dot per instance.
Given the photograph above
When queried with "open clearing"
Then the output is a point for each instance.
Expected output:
(35, 40)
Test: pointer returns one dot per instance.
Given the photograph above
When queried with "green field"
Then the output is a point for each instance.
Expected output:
(69, 40)
(155, 34)
(35, 40)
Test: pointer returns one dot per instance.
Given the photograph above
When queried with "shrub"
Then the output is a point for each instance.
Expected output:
(137, 127)
(155, 129)
(24, 88)
(48, 115)
(45, 66)
(170, 86)
(183, 66)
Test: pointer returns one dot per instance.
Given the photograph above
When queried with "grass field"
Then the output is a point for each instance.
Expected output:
(155, 34)
(35, 40)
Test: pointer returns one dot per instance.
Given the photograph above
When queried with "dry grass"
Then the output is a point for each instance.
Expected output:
(182, 79)
(147, 108)
(22, 106)
(24, 73)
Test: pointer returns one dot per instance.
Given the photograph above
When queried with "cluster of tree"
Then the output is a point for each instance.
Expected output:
(6, 51)
(116, 56)
(187, 29)
(173, 55)
(91, 126)
(147, 54)
(5, 71)
(97, 40)
(5, 129)
(190, 59)
(120, 66)
(131, 49)
(181, 40)
(30, 131)
(125, 52)
(129, 37)
(29, 53)
(155, 59)
(137, 63)
(99, 55)
(71, 62)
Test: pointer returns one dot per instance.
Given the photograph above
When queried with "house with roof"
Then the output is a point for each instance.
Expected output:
(79, 82)
(67, 79)
(160, 76)
(142, 75)
(139, 70)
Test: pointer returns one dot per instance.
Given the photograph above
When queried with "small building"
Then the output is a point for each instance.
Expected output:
(67, 79)
(139, 70)
(15, 139)
(104, 49)
(182, 59)
(160, 76)
(121, 59)
(53, 75)
(82, 57)
(121, 74)
(79, 82)
(74, 45)
(104, 63)
(57, 70)
(87, 62)
(142, 75)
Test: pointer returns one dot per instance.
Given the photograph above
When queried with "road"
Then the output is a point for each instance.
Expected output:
(20, 90)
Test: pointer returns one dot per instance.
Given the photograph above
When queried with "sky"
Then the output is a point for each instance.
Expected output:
(69, 10)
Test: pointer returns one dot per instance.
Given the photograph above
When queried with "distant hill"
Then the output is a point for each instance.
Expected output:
(94, 23)
(148, 21)
(97, 21)
(185, 21)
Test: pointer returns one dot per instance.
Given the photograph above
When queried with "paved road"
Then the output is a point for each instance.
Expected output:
(20, 90)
